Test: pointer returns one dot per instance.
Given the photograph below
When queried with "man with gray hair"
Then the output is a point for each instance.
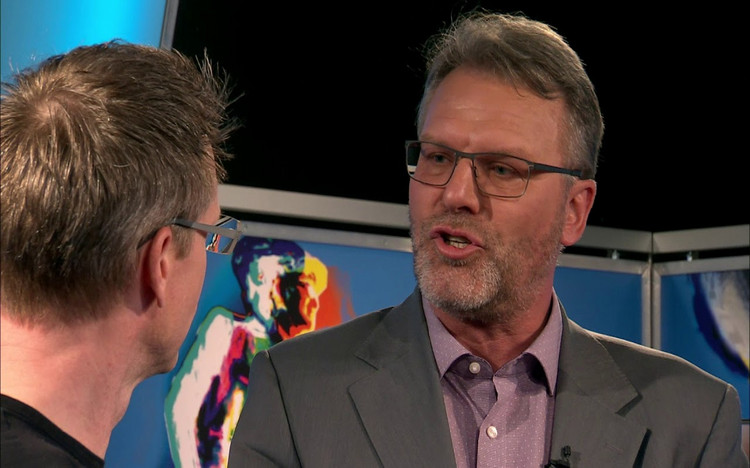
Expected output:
(481, 366)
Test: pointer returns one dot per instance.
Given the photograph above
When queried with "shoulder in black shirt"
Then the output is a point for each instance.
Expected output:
(28, 438)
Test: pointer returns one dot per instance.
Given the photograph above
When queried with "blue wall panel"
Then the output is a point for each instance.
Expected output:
(31, 30)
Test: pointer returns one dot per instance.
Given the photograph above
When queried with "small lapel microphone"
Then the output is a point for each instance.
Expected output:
(564, 462)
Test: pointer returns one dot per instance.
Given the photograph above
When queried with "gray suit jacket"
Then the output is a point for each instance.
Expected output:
(366, 393)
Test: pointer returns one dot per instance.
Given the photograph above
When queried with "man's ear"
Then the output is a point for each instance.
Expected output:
(580, 200)
(156, 266)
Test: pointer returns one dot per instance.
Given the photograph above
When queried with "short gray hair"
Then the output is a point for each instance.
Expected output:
(529, 54)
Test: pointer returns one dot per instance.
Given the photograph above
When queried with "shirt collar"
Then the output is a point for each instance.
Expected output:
(546, 347)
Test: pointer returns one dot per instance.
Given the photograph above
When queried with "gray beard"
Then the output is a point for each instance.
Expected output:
(496, 288)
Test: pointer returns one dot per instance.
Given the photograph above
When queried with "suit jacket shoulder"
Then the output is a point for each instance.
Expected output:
(623, 404)
(362, 393)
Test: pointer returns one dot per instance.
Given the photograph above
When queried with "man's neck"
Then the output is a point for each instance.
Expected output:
(498, 343)
(76, 376)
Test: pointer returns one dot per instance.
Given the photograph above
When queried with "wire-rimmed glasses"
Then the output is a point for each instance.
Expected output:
(497, 175)
(221, 237)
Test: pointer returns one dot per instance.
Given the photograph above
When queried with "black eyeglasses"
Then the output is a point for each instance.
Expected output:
(497, 175)
(222, 236)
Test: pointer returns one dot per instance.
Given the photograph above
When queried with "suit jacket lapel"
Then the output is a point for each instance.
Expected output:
(402, 410)
(400, 402)
(591, 391)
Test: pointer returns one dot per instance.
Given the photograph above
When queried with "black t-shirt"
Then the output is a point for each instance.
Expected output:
(30, 439)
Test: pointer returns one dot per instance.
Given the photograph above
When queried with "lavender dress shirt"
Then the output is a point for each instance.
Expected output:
(501, 419)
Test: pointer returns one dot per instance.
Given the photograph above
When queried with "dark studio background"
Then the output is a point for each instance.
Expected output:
(330, 95)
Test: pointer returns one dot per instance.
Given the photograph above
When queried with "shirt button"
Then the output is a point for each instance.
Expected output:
(474, 367)
(492, 432)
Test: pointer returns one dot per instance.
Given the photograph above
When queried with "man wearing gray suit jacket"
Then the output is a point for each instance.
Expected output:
(481, 366)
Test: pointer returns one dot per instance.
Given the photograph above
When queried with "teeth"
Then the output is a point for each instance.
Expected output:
(458, 242)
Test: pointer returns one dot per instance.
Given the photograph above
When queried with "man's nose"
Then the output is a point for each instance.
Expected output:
(461, 191)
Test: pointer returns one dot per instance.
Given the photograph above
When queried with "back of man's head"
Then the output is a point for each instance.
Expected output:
(100, 147)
